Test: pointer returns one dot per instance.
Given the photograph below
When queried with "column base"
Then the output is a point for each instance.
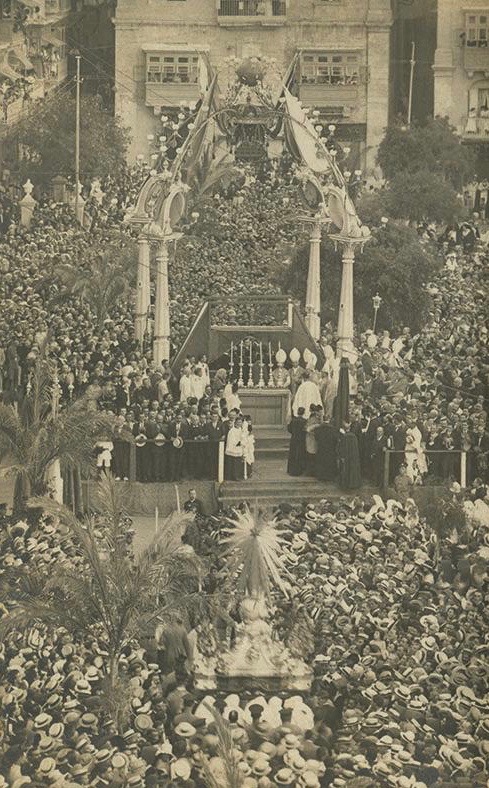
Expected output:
(161, 350)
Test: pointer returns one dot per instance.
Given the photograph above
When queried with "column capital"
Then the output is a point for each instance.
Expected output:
(348, 245)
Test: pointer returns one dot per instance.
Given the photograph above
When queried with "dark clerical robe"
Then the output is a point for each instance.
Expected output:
(349, 461)
(297, 450)
(327, 442)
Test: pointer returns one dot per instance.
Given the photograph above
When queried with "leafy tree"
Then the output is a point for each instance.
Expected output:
(394, 263)
(422, 195)
(38, 433)
(433, 148)
(110, 594)
(48, 137)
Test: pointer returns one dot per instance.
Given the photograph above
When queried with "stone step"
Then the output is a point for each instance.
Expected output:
(271, 452)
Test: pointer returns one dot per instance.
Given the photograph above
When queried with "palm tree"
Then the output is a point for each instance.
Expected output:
(110, 594)
(38, 433)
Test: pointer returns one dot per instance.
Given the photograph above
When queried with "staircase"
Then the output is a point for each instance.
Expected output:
(270, 483)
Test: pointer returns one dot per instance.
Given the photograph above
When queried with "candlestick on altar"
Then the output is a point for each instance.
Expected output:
(231, 362)
(271, 382)
(250, 375)
(261, 382)
(240, 379)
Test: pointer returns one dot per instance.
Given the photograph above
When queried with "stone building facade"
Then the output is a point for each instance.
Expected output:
(342, 64)
(461, 70)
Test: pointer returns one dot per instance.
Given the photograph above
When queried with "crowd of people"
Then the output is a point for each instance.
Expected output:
(390, 616)
(424, 397)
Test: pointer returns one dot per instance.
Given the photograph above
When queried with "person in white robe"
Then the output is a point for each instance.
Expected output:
(234, 451)
(197, 383)
(185, 385)
(306, 395)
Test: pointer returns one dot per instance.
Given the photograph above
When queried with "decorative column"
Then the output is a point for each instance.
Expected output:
(313, 292)
(143, 297)
(345, 345)
(27, 204)
(161, 343)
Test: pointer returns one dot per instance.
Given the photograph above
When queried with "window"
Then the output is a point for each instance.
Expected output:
(173, 68)
(330, 68)
(476, 30)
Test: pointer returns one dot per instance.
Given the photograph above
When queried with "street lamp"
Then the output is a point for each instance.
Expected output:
(376, 300)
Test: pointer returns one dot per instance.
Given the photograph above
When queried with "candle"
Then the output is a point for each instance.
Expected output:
(270, 353)
(251, 352)
(177, 494)
(156, 519)
(232, 353)
(261, 355)
(241, 352)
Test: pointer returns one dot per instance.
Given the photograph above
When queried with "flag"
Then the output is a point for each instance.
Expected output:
(304, 139)
(201, 136)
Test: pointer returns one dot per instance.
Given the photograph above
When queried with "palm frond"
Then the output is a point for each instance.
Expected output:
(225, 751)
(11, 433)
(254, 549)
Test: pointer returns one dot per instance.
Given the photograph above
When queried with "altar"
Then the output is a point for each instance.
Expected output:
(268, 407)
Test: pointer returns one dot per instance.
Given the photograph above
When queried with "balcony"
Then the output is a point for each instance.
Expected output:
(476, 59)
(170, 94)
(316, 94)
(475, 129)
(57, 7)
(239, 13)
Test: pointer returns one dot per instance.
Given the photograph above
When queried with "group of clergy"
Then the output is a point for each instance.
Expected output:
(320, 448)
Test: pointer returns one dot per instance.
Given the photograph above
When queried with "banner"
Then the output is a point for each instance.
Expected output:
(313, 152)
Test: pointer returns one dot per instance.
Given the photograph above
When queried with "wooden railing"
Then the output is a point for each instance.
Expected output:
(443, 466)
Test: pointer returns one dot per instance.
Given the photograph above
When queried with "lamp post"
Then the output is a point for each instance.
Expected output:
(376, 301)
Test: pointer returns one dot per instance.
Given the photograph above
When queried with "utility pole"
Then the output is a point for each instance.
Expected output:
(411, 77)
(77, 132)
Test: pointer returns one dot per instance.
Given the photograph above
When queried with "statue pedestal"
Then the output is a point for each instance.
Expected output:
(257, 661)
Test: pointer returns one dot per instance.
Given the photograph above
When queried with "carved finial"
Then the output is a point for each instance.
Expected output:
(28, 187)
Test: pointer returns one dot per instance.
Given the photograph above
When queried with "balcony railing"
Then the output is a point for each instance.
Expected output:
(476, 128)
(252, 8)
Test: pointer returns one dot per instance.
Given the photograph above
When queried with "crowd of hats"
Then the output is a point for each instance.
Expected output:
(228, 251)
(438, 380)
(394, 629)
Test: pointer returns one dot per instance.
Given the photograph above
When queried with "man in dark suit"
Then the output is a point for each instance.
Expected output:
(138, 428)
(193, 504)
(178, 432)
(365, 430)
(151, 430)
(377, 455)
(478, 456)
(398, 443)
(215, 432)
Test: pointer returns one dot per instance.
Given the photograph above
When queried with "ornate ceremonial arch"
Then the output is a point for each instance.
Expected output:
(248, 121)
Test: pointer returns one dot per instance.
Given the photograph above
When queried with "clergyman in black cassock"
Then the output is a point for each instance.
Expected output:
(326, 457)
(296, 464)
(349, 459)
